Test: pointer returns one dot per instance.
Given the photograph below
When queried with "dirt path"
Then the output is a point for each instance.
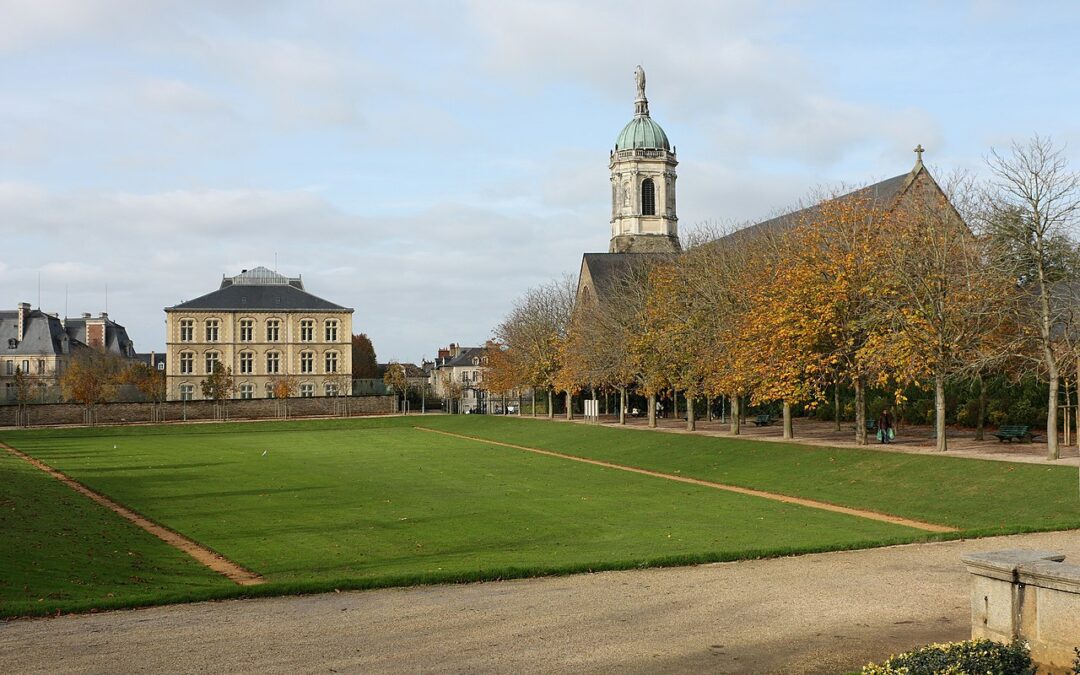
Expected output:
(214, 561)
(820, 613)
(824, 506)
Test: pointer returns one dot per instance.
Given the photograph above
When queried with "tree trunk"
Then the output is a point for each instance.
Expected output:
(675, 402)
(690, 422)
(836, 403)
(860, 411)
(534, 401)
(736, 422)
(788, 432)
(569, 406)
(652, 411)
(1052, 449)
(980, 416)
(939, 412)
(622, 405)
(708, 408)
(551, 405)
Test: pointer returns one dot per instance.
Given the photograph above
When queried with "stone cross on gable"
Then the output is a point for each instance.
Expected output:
(919, 150)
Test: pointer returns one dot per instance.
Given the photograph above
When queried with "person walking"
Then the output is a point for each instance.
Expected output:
(885, 426)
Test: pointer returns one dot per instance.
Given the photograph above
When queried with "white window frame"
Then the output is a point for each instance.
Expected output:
(187, 330)
(187, 392)
(330, 362)
(213, 330)
(247, 390)
(247, 330)
(273, 330)
(247, 363)
(187, 363)
(307, 390)
(307, 330)
(331, 330)
(307, 362)
(209, 359)
(275, 359)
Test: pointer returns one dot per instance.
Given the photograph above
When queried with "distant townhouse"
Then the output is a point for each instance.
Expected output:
(267, 329)
(457, 375)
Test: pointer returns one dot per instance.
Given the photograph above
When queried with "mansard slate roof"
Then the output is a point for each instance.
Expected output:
(42, 334)
(259, 289)
(116, 336)
(465, 358)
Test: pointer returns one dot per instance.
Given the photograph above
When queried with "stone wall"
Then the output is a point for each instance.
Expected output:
(1030, 595)
(50, 414)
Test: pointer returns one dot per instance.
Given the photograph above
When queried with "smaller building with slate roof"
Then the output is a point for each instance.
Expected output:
(38, 346)
(276, 338)
(457, 375)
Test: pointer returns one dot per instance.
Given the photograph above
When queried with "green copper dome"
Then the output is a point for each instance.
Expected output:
(642, 132)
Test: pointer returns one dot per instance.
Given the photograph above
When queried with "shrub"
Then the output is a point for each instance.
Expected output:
(959, 658)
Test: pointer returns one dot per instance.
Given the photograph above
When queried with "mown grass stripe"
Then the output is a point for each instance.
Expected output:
(201, 554)
(810, 503)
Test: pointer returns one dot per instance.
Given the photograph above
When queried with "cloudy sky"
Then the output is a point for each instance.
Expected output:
(426, 162)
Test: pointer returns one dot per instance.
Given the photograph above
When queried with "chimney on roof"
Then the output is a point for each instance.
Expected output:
(105, 315)
(24, 314)
(86, 315)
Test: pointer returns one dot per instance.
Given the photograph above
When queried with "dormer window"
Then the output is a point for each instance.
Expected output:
(12, 343)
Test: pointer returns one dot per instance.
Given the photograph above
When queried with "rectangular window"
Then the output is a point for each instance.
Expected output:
(307, 390)
(211, 361)
(247, 363)
(247, 391)
(212, 330)
(187, 330)
(247, 331)
(273, 330)
(9, 368)
(273, 362)
(331, 330)
(270, 390)
(187, 363)
(187, 392)
(331, 362)
(41, 366)
(307, 362)
(331, 389)
(307, 330)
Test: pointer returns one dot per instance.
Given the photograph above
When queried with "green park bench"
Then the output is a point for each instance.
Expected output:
(1015, 432)
(763, 420)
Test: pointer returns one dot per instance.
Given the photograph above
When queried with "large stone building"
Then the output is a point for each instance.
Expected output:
(268, 330)
(39, 346)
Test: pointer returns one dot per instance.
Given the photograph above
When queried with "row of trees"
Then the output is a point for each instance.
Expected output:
(959, 281)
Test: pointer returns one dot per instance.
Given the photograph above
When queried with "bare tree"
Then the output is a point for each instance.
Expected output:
(1030, 211)
(533, 332)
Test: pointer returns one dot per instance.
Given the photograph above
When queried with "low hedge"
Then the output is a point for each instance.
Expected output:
(959, 658)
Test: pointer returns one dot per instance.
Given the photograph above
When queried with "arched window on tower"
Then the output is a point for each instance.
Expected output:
(648, 198)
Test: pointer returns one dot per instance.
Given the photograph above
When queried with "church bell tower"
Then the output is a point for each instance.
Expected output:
(642, 167)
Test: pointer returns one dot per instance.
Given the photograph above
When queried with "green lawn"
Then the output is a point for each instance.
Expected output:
(985, 497)
(365, 503)
(60, 550)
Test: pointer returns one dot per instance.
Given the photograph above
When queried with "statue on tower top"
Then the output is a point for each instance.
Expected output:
(641, 104)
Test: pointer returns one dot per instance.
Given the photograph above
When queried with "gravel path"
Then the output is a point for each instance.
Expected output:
(823, 613)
